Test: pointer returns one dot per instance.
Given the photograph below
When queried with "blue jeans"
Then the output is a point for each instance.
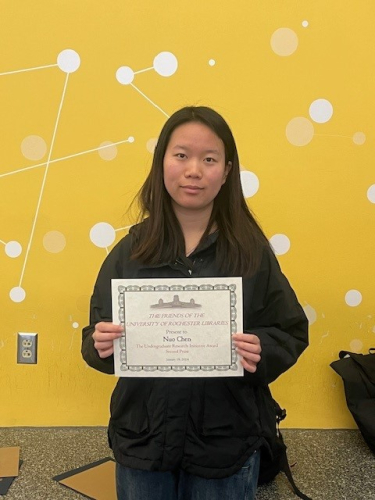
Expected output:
(134, 484)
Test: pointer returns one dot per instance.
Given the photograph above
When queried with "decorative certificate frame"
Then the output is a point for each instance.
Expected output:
(177, 327)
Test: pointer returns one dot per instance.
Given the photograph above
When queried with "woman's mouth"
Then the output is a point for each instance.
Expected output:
(191, 187)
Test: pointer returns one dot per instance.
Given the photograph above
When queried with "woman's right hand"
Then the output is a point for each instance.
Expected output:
(104, 335)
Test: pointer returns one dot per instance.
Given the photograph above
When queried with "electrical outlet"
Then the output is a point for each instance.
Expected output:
(27, 348)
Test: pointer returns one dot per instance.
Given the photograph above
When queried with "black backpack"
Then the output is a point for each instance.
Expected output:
(275, 460)
(358, 374)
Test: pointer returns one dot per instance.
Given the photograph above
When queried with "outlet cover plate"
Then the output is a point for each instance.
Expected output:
(27, 348)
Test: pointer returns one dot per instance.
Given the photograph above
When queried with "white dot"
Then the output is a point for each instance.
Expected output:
(131, 139)
(33, 147)
(68, 61)
(13, 249)
(102, 235)
(280, 243)
(54, 241)
(75, 325)
(165, 64)
(125, 75)
(321, 110)
(353, 298)
(284, 42)
(359, 138)
(17, 294)
(310, 313)
(151, 145)
(107, 151)
(305, 24)
(212, 62)
(299, 131)
(371, 193)
(356, 345)
(249, 182)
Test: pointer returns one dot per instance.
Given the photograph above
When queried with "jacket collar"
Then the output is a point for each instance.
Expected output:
(208, 242)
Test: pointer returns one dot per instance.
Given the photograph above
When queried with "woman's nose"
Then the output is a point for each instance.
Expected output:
(193, 168)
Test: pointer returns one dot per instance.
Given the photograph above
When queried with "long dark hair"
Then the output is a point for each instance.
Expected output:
(160, 238)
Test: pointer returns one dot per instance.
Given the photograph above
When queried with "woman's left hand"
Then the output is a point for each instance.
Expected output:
(248, 346)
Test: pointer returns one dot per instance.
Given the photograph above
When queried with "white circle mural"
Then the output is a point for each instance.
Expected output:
(371, 193)
(68, 61)
(13, 249)
(356, 345)
(102, 234)
(33, 147)
(359, 138)
(54, 241)
(107, 151)
(284, 42)
(151, 145)
(249, 182)
(280, 243)
(353, 298)
(299, 131)
(165, 64)
(321, 110)
(17, 294)
(125, 75)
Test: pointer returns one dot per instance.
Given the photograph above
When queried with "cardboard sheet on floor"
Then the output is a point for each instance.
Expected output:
(6, 482)
(9, 461)
(95, 481)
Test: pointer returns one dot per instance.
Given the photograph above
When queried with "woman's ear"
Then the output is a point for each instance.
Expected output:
(228, 166)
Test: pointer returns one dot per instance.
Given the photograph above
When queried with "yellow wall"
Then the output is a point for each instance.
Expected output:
(315, 170)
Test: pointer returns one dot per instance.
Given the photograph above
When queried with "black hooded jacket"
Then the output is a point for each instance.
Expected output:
(206, 426)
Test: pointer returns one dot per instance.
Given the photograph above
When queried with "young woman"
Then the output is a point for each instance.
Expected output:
(196, 438)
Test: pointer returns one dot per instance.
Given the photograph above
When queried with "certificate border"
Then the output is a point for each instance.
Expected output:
(176, 368)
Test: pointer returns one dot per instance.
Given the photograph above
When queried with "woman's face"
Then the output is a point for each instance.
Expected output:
(194, 167)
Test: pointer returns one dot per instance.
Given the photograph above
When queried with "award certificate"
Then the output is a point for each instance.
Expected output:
(177, 327)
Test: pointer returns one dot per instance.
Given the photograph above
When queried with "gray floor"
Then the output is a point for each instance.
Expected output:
(330, 464)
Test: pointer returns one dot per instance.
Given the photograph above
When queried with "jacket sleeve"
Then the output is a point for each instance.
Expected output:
(101, 309)
(278, 319)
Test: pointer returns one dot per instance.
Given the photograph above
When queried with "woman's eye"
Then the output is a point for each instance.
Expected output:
(210, 160)
(181, 155)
